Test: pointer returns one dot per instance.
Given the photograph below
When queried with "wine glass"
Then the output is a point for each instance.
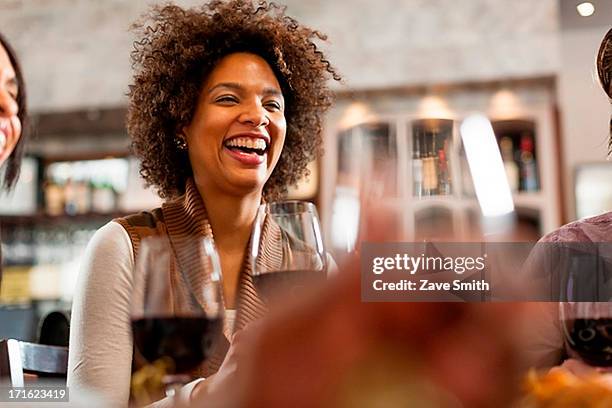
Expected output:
(287, 251)
(585, 309)
(587, 330)
(177, 307)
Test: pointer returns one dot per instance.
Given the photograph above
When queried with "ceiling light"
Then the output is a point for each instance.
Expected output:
(585, 9)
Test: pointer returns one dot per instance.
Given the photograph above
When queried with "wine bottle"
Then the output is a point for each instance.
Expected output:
(512, 170)
(444, 181)
(529, 172)
(430, 176)
(417, 164)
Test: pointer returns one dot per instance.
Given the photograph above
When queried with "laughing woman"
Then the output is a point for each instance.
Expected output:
(225, 110)
(12, 119)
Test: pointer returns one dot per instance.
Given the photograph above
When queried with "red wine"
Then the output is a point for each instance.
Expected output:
(188, 341)
(290, 283)
(591, 340)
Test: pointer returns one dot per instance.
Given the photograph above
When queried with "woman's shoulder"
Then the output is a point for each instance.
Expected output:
(593, 229)
(142, 219)
(142, 224)
(106, 265)
(110, 240)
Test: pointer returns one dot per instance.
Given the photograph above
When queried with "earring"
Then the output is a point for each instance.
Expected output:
(180, 143)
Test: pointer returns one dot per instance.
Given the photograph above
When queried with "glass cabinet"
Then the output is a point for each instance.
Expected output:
(425, 175)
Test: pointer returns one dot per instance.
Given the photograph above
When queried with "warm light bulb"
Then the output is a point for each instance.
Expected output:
(356, 114)
(585, 9)
(505, 104)
(432, 106)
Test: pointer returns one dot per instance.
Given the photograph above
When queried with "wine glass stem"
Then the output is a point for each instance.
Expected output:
(174, 383)
(173, 389)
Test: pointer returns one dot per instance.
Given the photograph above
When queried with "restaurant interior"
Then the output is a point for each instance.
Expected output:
(416, 76)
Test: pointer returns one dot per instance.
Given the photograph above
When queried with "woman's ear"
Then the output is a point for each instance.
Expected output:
(604, 63)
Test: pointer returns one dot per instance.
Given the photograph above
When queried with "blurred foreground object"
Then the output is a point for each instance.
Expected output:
(561, 389)
(332, 350)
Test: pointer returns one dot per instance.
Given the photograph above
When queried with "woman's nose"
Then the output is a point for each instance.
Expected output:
(255, 114)
(8, 105)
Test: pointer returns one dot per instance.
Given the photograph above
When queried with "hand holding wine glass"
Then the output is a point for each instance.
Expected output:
(177, 306)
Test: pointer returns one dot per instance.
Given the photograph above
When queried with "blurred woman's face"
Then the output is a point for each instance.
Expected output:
(10, 125)
(237, 133)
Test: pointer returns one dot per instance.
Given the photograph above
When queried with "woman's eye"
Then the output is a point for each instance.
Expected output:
(12, 92)
(227, 99)
(273, 105)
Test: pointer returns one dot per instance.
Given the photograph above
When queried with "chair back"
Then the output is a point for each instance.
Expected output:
(55, 329)
(19, 358)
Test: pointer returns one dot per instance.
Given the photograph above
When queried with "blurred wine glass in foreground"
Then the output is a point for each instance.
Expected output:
(587, 330)
(585, 309)
(177, 307)
(287, 249)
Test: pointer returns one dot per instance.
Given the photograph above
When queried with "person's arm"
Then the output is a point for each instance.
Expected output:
(100, 355)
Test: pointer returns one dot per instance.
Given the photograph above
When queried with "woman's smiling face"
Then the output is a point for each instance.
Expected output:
(10, 125)
(238, 130)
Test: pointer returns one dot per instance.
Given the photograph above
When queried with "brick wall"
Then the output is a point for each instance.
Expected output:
(76, 52)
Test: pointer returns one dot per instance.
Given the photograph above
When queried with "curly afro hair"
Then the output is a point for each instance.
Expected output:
(180, 47)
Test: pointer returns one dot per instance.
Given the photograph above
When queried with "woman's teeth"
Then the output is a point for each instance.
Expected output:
(258, 145)
(2, 140)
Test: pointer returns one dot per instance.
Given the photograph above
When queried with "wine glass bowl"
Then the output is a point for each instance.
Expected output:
(287, 250)
(587, 331)
(585, 310)
(177, 305)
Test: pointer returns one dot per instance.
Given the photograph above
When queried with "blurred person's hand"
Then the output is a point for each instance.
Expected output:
(337, 351)
(217, 389)
(334, 350)
(331, 349)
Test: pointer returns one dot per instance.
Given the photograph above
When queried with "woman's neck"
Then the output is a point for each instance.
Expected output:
(231, 217)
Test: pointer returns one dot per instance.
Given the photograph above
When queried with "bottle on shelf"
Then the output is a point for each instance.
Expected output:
(430, 171)
(104, 198)
(82, 197)
(54, 198)
(444, 181)
(417, 164)
(528, 166)
(70, 204)
(512, 171)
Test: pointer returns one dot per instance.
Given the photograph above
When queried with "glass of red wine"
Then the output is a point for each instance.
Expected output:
(176, 307)
(586, 308)
(587, 329)
(287, 251)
